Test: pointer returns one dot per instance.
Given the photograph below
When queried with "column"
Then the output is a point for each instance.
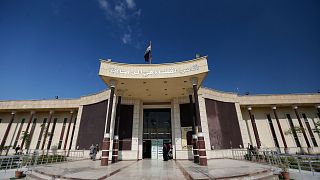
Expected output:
(68, 130)
(304, 116)
(295, 108)
(72, 133)
(41, 132)
(52, 133)
(47, 129)
(248, 130)
(201, 143)
(194, 133)
(254, 126)
(34, 123)
(274, 109)
(3, 142)
(106, 139)
(18, 134)
(115, 147)
(63, 129)
(27, 130)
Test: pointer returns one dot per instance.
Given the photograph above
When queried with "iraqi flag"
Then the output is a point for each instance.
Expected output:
(147, 54)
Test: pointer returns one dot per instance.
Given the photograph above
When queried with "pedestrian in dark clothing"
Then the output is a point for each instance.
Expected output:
(165, 152)
(170, 155)
(251, 151)
(97, 146)
(17, 149)
(93, 152)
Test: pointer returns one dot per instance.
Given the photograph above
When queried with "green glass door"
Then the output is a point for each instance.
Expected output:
(156, 131)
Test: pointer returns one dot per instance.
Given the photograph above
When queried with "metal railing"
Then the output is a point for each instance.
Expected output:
(273, 158)
(40, 157)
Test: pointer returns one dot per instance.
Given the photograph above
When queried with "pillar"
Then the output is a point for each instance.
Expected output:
(18, 134)
(33, 127)
(201, 143)
(195, 148)
(295, 108)
(68, 130)
(3, 142)
(52, 133)
(194, 132)
(202, 150)
(27, 129)
(254, 126)
(115, 147)
(106, 139)
(274, 109)
(72, 133)
(47, 129)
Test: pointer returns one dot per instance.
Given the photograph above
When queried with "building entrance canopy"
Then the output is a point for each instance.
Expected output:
(154, 82)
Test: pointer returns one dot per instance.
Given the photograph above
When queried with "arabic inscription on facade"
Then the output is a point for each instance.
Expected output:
(155, 72)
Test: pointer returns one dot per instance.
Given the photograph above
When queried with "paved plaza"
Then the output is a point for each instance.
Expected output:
(85, 169)
(158, 169)
(226, 168)
(153, 169)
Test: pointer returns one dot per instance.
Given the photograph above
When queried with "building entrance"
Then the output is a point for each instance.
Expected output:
(156, 132)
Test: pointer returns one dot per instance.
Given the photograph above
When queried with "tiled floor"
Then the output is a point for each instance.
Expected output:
(85, 169)
(222, 168)
(150, 169)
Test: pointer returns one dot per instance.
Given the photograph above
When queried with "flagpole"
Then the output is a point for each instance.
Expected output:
(150, 54)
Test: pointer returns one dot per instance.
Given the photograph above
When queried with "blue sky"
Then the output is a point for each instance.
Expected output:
(52, 48)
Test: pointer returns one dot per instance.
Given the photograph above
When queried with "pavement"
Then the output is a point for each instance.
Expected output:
(157, 169)
(150, 169)
(226, 168)
(84, 169)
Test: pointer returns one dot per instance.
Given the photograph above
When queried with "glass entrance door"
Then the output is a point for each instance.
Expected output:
(156, 131)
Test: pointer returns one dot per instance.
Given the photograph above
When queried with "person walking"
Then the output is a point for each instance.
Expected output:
(17, 149)
(170, 155)
(93, 152)
(97, 147)
(165, 152)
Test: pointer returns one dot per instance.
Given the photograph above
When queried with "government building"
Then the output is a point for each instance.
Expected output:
(148, 105)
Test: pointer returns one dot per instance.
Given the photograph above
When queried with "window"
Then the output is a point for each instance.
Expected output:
(62, 132)
(41, 132)
(295, 136)
(309, 129)
(52, 132)
(273, 131)
(19, 132)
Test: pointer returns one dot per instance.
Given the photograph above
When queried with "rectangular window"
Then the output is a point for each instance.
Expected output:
(52, 132)
(273, 131)
(62, 132)
(41, 132)
(32, 130)
(18, 135)
(310, 130)
(294, 133)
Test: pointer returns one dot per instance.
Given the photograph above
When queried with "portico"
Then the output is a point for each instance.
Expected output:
(156, 87)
